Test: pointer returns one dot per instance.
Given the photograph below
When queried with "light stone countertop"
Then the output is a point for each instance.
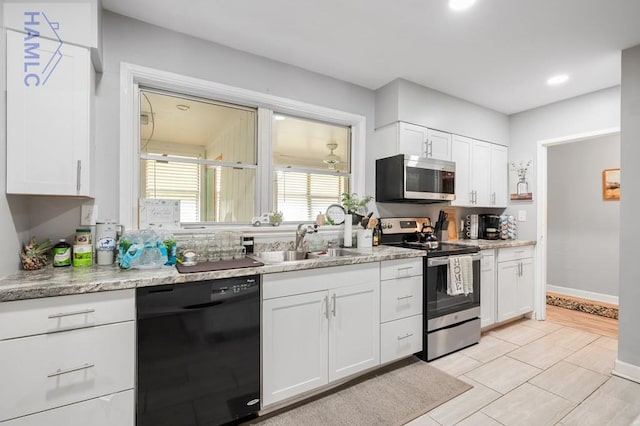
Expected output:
(51, 281)
(492, 244)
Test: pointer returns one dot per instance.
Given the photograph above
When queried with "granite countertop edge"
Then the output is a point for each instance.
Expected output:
(51, 282)
(493, 244)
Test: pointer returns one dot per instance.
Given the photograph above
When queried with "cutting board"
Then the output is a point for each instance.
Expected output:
(452, 230)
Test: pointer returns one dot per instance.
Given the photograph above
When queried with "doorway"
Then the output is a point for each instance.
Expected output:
(543, 209)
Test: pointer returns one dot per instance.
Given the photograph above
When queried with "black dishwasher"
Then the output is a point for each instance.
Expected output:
(198, 352)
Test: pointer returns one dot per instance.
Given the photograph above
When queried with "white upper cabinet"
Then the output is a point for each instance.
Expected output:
(481, 173)
(499, 175)
(409, 139)
(49, 118)
(438, 145)
(76, 22)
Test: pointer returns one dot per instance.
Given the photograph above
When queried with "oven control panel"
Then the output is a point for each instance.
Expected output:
(403, 225)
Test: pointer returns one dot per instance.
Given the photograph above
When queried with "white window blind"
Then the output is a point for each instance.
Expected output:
(301, 196)
(175, 181)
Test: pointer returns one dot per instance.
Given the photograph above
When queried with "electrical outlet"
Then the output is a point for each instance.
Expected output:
(522, 215)
(88, 214)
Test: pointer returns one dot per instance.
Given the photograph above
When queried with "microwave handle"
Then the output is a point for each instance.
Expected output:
(445, 260)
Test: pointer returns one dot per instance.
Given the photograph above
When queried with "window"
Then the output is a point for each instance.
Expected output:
(202, 153)
(239, 184)
(311, 162)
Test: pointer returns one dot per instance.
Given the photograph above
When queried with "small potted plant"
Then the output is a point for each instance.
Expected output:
(34, 254)
(355, 206)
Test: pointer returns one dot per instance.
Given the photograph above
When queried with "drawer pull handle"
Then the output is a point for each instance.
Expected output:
(408, 296)
(406, 336)
(60, 372)
(68, 314)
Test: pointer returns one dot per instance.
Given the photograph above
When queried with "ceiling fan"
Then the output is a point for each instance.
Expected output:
(331, 160)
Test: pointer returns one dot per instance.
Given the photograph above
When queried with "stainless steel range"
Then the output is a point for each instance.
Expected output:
(451, 320)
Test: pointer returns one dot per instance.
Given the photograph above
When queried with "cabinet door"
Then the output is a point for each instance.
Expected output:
(499, 175)
(481, 173)
(525, 286)
(507, 290)
(461, 155)
(294, 345)
(354, 337)
(487, 288)
(412, 139)
(48, 124)
(438, 145)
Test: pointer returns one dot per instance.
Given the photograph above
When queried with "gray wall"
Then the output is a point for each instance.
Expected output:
(402, 100)
(595, 111)
(139, 43)
(629, 338)
(579, 238)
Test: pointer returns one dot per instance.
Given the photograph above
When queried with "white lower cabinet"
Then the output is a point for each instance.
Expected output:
(111, 410)
(515, 282)
(295, 345)
(70, 360)
(401, 308)
(329, 332)
(488, 288)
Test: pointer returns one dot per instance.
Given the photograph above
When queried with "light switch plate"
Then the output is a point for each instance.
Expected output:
(88, 214)
(522, 215)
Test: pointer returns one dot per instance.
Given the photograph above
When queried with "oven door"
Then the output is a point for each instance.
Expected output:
(441, 308)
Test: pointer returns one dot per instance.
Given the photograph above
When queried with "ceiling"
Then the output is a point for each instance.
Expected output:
(498, 53)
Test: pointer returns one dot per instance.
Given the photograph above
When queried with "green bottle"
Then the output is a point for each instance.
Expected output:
(62, 254)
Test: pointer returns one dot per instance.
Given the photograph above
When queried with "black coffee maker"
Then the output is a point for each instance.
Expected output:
(488, 226)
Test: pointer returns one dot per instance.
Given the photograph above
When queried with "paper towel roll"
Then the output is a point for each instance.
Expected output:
(348, 222)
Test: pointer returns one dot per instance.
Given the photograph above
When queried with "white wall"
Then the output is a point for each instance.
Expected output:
(595, 111)
(629, 338)
(580, 238)
(402, 100)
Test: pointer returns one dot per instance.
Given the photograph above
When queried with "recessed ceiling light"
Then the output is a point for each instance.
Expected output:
(183, 107)
(279, 117)
(557, 79)
(461, 4)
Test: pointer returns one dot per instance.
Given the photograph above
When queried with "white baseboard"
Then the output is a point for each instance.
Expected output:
(627, 371)
(583, 294)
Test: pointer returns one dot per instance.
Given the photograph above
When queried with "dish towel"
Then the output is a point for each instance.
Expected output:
(460, 276)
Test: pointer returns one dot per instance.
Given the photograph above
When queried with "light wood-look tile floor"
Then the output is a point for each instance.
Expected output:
(553, 372)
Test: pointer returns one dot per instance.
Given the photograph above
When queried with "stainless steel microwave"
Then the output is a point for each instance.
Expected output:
(404, 178)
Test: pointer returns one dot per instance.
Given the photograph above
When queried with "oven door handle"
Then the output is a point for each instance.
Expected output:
(445, 260)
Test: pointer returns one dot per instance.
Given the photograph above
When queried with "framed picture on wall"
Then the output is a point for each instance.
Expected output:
(611, 184)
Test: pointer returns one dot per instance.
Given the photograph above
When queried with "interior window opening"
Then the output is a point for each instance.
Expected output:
(200, 152)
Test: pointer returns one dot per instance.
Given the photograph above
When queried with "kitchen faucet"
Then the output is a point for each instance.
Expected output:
(300, 233)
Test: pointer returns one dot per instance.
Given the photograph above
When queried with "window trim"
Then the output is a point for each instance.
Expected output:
(132, 76)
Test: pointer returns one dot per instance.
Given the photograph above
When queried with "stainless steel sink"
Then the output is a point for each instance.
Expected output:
(293, 255)
(332, 252)
(281, 256)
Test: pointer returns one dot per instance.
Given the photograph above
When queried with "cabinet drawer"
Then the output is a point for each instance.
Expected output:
(52, 314)
(111, 410)
(311, 280)
(400, 338)
(51, 370)
(400, 268)
(515, 253)
(400, 298)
